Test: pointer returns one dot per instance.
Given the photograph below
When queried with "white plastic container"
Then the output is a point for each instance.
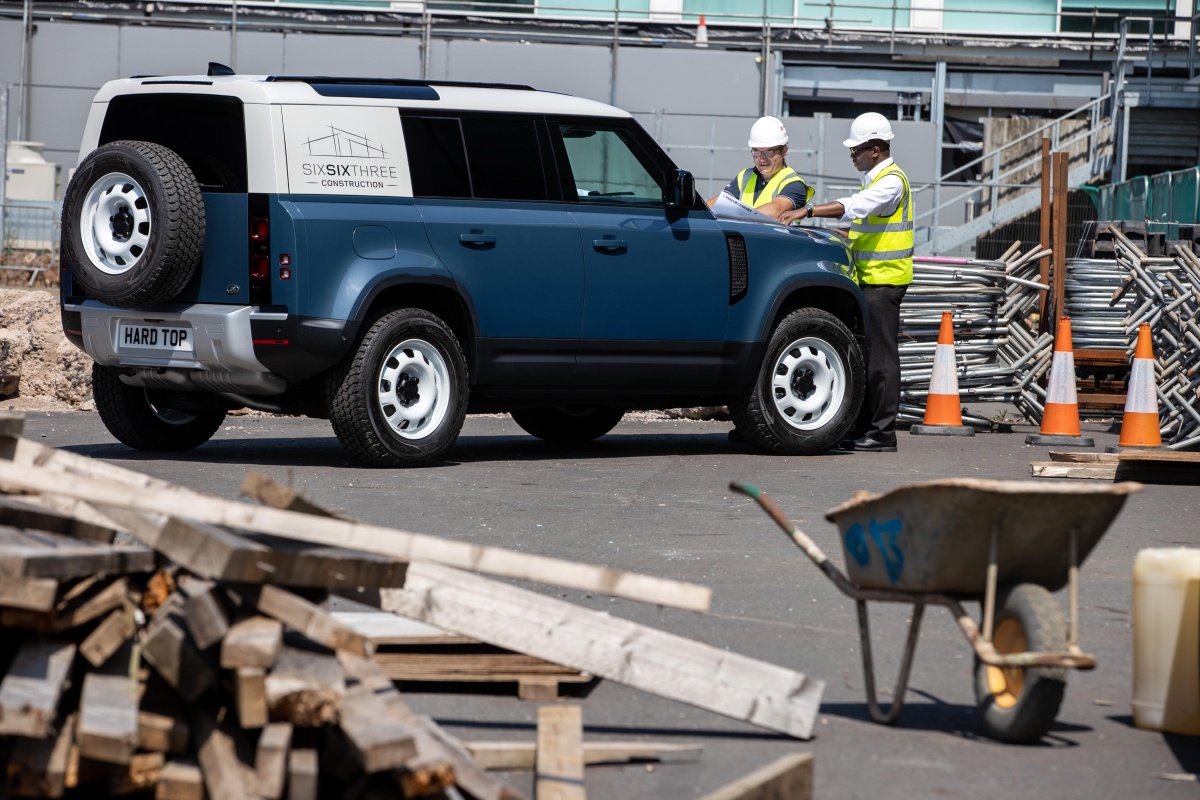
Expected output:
(1166, 640)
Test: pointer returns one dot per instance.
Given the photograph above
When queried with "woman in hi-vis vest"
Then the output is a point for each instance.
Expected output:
(881, 241)
(770, 186)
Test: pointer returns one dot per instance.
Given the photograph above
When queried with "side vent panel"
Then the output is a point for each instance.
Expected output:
(739, 267)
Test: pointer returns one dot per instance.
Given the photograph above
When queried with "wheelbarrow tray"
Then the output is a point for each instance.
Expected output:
(935, 537)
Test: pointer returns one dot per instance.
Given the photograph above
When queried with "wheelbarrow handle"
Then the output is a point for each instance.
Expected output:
(810, 548)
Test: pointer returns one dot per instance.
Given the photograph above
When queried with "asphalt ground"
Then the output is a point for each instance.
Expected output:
(652, 497)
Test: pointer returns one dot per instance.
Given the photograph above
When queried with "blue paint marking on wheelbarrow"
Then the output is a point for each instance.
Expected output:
(945, 542)
(884, 535)
(855, 542)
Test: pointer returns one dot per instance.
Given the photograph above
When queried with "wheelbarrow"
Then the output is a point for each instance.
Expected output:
(1006, 544)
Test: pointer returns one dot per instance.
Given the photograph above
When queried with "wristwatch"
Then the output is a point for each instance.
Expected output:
(809, 208)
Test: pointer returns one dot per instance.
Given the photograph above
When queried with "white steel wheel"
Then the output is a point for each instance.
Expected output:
(400, 398)
(808, 389)
(414, 389)
(115, 223)
(133, 225)
(808, 383)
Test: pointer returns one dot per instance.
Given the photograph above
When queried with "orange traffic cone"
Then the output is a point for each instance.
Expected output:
(1060, 421)
(1139, 426)
(943, 412)
(702, 33)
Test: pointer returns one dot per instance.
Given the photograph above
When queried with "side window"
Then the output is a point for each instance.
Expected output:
(436, 158)
(505, 159)
(608, 166)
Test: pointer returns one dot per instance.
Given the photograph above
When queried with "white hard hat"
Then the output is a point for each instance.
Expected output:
(768, 132)
(867, 127)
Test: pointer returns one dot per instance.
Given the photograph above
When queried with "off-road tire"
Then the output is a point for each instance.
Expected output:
(822, 340)
(568, 423)
(367, 406)
(1018, 705)
(130, 414)
(169, 240)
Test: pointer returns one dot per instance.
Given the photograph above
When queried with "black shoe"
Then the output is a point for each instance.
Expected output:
(846, 444)
(877, 442)
(736, 436)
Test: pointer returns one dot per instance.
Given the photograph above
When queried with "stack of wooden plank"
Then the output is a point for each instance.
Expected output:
(161, 642)
(411, 652)
(1147, 466)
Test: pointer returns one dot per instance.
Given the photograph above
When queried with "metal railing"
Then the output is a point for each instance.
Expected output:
(29, 237)
(824, 14)
(1002, 164)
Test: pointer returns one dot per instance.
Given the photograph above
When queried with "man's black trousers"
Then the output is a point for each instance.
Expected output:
(882, 400)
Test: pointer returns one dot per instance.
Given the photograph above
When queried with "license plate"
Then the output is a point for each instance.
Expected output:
(175, 338)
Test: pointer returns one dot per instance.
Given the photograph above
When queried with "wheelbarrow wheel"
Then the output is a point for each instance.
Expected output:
(1019, 704)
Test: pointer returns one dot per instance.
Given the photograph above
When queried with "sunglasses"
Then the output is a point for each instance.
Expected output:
(858, 151)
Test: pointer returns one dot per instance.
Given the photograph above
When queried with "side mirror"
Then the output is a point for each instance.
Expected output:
(680, 191)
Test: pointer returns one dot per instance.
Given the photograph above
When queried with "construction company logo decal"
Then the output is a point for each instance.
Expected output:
(346, 150)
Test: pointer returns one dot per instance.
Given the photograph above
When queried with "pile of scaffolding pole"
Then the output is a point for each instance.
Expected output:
(993, 305)
(1095, 322)
(1166, 295)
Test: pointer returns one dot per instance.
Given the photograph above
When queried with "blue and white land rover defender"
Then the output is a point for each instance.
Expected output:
(392, 255)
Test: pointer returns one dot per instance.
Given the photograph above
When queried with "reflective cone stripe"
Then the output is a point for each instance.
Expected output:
(943, 406)
(1061, 417)
(1139, 426)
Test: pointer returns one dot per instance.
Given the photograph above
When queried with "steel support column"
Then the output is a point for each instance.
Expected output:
(937, 113)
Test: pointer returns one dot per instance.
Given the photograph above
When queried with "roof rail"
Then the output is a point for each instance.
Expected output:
(324, 79)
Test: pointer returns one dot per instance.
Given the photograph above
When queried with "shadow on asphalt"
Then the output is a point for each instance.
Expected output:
(327, 452)
(1186, 749)
(939, 717)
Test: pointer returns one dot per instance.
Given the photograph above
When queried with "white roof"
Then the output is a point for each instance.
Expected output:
(256, 89)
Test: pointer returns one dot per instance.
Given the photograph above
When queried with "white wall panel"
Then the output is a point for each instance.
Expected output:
(357, 56)
(76, 56)
(581, 70)
(683, 81)
(259, 53)
(57, 117)
(170, 51)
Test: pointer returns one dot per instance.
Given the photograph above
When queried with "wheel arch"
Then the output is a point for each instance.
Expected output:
(435, 294)
(837, 295)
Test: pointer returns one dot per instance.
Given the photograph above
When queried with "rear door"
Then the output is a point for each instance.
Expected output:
(656, 281)
(495, 217)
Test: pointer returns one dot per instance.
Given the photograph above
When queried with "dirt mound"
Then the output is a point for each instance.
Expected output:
(39, 369)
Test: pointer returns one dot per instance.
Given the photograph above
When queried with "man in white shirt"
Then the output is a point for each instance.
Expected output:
(881, 242)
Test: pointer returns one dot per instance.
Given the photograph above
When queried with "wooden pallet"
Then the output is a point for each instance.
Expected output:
(411, 651)
(1147, 466)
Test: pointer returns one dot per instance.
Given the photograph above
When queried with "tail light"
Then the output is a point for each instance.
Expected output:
(260, 267)
(260, 250)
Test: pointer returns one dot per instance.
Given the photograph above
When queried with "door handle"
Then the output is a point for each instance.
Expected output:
(609, 244)
(476, 238)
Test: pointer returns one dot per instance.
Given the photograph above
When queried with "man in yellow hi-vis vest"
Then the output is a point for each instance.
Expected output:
(881, 242)
(770, 186)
